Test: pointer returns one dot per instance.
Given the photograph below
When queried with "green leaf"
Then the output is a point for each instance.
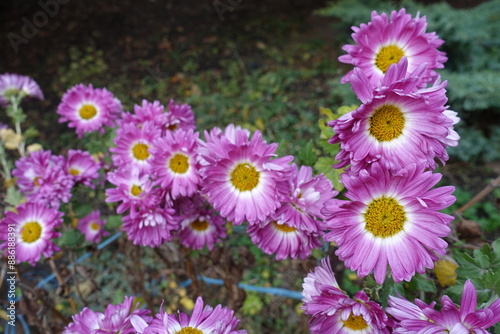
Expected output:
(13, 196)
(306, 155)
(324, 165)
(468, 266)
(71, 238)
(421, 283)
(83, 209)
(114, 222)
(31, 132)
(252, 304)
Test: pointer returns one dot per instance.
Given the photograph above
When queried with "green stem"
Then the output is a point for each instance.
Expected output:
(3, 160)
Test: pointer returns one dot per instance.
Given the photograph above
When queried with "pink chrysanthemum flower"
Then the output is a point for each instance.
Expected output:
(146, 112)
(397, 124)
(199, 225)
(206, 319)
(133, 145)
(92, 226)
(88, 109)
(32, 227)
(133, 189)
(82, 167)
(334, 312)
(241, 180)
(385, 40)
(12, 85)
(43, 178)
(175, 162)
(274, 236)
(150, 226)
(30, 169)
(85, 322)
(308, 194)
(423, 318)
(392, 219)
(115, 319)
(180, 116)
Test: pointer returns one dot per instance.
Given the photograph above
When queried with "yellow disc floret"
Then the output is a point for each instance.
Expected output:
(199, 225)
(245, 177)
(87, 111)
(189, 330)
(284, 227)
(387, 56)
(140, 151)
(179, 163)
(384, 217)
(135, 190)
(355, 322)
(74, 171)
(387, 123)
(31, 232)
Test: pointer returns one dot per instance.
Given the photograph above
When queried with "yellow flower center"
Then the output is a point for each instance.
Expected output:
(387, 56)
(87, 111)
(355, 322)
(74, 171)
(283, 227)
(140, 151)
(384, 217)
(94, 226)
(35, 181)
(189, 330)
(199, 225)
(136, 190)
(387, 123)
(31, 232)
(179, 163)
(172, 127)
(245, 177)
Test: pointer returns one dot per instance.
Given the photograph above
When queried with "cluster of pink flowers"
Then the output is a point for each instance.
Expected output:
(169, 182)
(333, 311)
(127, 318)
(389, 146)
(47, 180)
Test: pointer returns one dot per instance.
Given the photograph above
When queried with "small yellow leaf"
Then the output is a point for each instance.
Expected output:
(259, 122)
(10, 138)
(445, 271)
(34, 147)
(187, 303)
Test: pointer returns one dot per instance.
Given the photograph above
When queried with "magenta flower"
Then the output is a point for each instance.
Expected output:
(133, 145)
(43, 178)
(115, 319)
(423, 318)
(274, 236)
(92, 226)
(12, 85)
(150, 226)
(391, 219)
(308, 195)
(82, 167)
(88, 109)
(33, 228)
(206, 319)
(397, 124)
(175, 162)
(87, 321)
(146, 112)
(386, 40)
(180, 116)
(199, 225)
(133, 189)
(240, 179)
(333, 311)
